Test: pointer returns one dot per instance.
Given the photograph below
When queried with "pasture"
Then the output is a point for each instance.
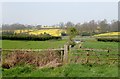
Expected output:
(89, 43)
(68, 70)
(12, 44)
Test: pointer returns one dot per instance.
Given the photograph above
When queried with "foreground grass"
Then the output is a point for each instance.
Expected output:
(12, 44)
(70, 70)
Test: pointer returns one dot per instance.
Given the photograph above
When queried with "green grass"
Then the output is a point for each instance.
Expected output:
(18, 70)
(12, 44)
(101, 45)
(70, 70)
(112, 46)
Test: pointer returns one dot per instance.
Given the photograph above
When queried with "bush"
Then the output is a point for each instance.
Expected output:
(30, 37)
(108, 39)
(63, 34)
(85, 34)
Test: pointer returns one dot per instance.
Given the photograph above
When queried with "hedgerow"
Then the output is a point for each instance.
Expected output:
(30, 37)
(108, 39)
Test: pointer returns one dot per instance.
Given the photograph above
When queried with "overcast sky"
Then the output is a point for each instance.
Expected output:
(49, 13)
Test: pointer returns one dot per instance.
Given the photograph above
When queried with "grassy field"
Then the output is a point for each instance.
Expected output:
(69, 70)
(89, 43)
(8, 44)
(112, 46)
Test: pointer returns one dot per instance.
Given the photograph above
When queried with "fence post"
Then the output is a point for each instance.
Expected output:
(87, 58)
(80, 46)
(107, 58)
(0, 56)
(62, 51)
(65, 57)
(69, 48)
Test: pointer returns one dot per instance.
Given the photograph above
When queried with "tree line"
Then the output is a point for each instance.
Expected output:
(86, 28)
(93, 27)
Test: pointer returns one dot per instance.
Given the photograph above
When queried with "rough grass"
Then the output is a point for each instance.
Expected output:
(38, 59)
(70, 70)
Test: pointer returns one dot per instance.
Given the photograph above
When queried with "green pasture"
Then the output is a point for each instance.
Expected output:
(89, 43)
(12, 44)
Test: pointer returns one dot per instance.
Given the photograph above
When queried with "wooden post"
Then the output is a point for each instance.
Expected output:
(107, 58)
(69, 47)
(87, 58)
(80, 46)
(62, 55)
(0, 56)
(97, 58)
(108, 51)
(65, 57)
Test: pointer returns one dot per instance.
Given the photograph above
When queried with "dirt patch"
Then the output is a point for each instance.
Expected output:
(38, 59)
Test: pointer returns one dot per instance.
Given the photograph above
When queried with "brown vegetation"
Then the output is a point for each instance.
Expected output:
(38, 59)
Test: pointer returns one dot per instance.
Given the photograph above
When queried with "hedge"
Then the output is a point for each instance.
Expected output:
(29, 37)
(108, 39)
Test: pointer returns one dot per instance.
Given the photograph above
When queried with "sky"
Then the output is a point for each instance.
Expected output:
(59, 0)
(49, 13)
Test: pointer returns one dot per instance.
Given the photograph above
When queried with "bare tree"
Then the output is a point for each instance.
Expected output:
(69, 24)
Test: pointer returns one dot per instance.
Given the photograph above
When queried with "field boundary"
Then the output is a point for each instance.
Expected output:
(64, 52)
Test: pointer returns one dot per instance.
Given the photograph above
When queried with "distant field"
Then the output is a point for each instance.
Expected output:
(52, 32)
(109, 34)
(12, 44)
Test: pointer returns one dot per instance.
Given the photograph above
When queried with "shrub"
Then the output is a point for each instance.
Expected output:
(30, 37)
(108, 39)
(85, 34)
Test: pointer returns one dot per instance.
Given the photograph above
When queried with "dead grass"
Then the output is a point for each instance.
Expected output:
(38, 59)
